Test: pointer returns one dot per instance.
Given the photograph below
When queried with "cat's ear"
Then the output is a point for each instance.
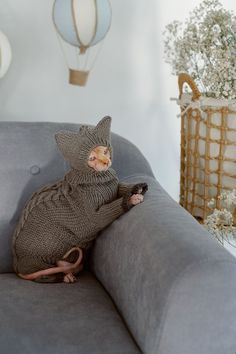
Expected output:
(66, 142)
(104, 126)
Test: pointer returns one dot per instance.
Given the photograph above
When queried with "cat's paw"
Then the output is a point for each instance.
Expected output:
(136, 199)
(69, 278)
(140, 188)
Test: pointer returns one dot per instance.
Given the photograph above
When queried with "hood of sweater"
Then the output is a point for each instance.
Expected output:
(77, 146)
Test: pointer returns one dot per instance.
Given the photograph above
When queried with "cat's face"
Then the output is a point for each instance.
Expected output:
(100, 159)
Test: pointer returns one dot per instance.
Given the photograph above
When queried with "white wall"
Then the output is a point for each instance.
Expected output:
(130, 80)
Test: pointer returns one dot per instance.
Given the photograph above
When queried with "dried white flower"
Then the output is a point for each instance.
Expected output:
(221, 222)
(205, 48)
(219, 218)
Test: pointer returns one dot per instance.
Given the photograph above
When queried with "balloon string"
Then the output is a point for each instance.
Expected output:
(63, 50)
(97, 54)
(77, 55)
(86, 60)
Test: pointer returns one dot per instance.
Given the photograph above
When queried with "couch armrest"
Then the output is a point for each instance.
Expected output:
(174, 285)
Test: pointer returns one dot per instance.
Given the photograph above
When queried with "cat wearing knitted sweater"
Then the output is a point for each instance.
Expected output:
(60, 222)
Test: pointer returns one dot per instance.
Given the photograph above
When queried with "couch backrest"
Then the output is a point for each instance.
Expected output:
(29, 159)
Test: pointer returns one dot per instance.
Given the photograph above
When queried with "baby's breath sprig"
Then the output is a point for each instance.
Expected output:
(221, 223)
(205, 48)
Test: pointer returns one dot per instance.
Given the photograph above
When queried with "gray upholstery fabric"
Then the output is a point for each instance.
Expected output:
(183, 281)
(172, 283)
(60, 319)
(30, 159)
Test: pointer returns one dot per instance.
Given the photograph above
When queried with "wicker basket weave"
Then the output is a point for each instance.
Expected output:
(208, 150)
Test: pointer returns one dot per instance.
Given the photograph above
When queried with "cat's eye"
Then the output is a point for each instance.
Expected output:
(92, 158)
(106, 151)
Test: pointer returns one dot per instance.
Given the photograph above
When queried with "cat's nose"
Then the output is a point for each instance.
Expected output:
(104, 160)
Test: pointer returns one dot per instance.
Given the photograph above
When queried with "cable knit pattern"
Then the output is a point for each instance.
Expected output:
(72, 211)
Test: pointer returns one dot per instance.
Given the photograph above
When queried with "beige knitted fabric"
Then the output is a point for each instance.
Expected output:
(72, 211)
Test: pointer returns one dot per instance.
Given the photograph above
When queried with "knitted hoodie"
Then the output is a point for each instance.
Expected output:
(72, 211)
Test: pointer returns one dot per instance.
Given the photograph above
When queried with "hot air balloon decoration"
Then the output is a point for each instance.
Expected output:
(81, 25)
(5, 54)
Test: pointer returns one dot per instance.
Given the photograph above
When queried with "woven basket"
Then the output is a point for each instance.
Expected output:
(208, 149)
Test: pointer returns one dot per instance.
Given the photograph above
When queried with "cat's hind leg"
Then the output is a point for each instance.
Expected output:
(70, 277)
(75, 268)
(63, 271)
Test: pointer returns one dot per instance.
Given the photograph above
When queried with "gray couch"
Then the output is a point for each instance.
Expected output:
(157, 282)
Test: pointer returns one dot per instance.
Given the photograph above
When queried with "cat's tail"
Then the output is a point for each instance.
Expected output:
(67, 268)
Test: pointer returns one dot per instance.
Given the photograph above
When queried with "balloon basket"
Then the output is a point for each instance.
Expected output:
(77, 77)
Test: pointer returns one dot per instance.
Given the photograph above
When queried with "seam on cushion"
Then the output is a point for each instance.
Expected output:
(171, 294)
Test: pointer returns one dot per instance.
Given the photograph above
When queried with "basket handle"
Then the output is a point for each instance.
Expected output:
(183, 77)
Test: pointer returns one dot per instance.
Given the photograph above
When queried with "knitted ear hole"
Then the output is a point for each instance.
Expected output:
(104, 126)
(66, 142)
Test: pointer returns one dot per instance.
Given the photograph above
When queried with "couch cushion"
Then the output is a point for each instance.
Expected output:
(60, 318)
